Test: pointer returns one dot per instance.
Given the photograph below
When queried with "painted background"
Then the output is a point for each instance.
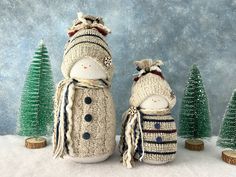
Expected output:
(181, 32)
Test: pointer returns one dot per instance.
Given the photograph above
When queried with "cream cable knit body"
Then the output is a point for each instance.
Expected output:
(101, 128)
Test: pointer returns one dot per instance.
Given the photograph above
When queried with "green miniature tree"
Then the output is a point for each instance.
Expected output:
(194, 120)
(227, 136)
(36, 111)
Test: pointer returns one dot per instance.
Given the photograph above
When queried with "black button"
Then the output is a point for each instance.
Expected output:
(157, 126)
(159, 139)
(88, 100)
(86, 135)
(88, 117)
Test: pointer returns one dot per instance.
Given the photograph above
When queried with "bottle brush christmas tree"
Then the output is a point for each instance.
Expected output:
(36, 111)
(194, 123)
(227, 136)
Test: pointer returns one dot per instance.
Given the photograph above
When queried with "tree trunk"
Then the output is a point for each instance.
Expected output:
(194, 144)
(229, 156)
(35, 143)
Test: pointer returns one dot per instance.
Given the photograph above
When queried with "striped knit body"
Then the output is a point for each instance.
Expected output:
(84, 119)
(159, 136)
(148, 130)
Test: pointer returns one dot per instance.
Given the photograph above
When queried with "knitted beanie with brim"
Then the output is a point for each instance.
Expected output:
(148, 85)
(87, 43)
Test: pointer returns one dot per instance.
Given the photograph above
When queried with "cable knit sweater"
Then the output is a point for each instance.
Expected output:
(99, 126)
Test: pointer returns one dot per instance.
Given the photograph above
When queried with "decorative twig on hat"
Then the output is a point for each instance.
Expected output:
(88, 22)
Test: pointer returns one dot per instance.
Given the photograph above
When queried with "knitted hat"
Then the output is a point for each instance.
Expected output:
(87, 43)
(150, 84)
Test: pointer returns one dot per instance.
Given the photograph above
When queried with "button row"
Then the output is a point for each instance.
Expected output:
(158, 139)
(87, 117)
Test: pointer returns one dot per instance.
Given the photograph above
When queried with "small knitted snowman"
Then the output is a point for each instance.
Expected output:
(148, 129)
(84, 118)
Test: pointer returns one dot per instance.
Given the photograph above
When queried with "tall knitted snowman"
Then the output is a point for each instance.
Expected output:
(84, 118)
(148, 129)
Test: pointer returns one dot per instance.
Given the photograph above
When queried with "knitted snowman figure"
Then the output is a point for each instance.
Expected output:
(84, 118)
(148, 129)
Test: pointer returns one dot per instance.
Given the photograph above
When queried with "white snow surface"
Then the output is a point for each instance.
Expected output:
(18, 161)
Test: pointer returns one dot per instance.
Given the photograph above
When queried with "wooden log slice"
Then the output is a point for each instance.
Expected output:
(35, 143)
(229, 156)
(194, 144)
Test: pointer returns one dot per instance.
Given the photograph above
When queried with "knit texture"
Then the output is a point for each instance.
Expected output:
(148, 135)
(101, 128)
(160, 142)
(148, 85)
(70, 122)
(84, 118)
(87, 43)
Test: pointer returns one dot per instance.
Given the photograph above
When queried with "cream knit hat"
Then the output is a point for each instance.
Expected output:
(87, 43)
(150, 84)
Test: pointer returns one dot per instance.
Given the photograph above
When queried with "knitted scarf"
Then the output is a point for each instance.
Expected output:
(63, 103)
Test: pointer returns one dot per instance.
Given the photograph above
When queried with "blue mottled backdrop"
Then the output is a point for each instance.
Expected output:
(181, 32)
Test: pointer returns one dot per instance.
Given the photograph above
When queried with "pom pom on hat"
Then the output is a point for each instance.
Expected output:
(88, 22)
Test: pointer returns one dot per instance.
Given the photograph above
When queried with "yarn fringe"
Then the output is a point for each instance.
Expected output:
(130, 134)
(63, 116)
(63, 104)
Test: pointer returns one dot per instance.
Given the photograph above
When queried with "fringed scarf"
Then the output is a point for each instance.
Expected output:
(64, 99)
(130, 134)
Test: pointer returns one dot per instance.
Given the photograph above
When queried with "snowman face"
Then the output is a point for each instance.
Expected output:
(87, 68)
(154, 102)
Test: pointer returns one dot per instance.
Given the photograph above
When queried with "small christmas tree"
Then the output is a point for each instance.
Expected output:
(36, 111)
(194, 114)
(227, 136)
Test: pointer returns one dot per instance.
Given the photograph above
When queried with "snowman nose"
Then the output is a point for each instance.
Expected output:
(85, 67)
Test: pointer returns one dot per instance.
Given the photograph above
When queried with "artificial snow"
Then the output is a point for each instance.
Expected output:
(18, 161)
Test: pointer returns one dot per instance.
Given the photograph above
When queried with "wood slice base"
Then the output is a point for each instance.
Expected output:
(229, 156)
(35, 143)
(194, 144)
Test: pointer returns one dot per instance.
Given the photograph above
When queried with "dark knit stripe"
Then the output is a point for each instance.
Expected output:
(93, 35)
(90, 43)
(57, 129)
(159, 131)
(163, 142)
(158, 120)
(153, 72)
(144, 115)
(160, 153)
(103, 81)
